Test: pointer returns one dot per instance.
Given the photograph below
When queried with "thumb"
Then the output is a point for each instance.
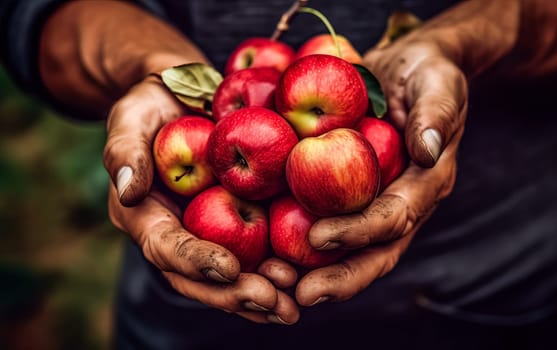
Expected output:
(132, 125)
(436, 95)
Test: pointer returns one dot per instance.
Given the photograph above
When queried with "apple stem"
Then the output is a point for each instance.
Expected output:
(188, 169)
(283, 24)
(244, 214)
(326, 23)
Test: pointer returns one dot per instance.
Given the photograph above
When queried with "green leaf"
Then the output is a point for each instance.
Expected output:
(194, 84)
(374, 91)
(199, 105)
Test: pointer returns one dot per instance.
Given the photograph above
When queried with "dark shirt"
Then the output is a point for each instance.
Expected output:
(488, 255)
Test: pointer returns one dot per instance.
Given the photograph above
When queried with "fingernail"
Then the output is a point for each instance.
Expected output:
(215, 276)
(250, 305)
(329, 245)
(433, 142)
(123, 179)
(320, 300)
(276, 319)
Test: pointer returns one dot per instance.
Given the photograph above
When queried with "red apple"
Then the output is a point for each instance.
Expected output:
(319, 93)
(250, 87)
(289, 225)
(259, 52)
(248, 151)
(334, 173)
(324, 44)
(180, 154)
(388, 145)
(218, 216)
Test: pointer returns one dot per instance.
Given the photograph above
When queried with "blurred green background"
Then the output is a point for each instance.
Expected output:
(59, 254)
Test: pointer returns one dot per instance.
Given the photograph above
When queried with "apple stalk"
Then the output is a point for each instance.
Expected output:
(297, 7)
(327, 24)
(286, 18)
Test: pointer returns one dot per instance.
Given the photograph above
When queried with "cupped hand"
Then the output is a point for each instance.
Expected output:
(427, 99)
(198, 269)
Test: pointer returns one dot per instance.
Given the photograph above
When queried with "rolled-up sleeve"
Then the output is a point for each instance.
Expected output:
(20, 26)
(21, 23)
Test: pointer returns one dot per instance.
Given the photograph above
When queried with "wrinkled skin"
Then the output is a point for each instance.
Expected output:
(425, 91)
(198, 269)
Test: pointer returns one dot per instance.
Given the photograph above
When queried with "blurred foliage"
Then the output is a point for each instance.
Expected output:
(59, 254)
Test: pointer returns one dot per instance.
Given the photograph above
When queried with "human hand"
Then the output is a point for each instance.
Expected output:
(102, 67)
(427, 98)
(198, 269)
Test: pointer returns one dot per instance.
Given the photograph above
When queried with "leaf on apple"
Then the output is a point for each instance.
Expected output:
(194, 84)
(374, 91)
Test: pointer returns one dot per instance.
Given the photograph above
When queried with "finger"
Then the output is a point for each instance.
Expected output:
(285, 312)
(251, 296)
(361, 229)
(436, 94)
(249, 293)
(398, 211)
(279, 272)
(132, 125)
(153, 224)
(393, 75)
(342, 281)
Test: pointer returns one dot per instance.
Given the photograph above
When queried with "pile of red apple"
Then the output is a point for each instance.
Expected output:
(291, 139)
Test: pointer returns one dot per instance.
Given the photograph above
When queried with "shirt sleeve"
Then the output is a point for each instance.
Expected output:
(20, 25)
(21, 22)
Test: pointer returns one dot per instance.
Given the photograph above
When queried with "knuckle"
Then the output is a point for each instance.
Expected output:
(389, 264)
(347, 281)
(167, 245)
(347, 271)
(149, 244)
(123, 112)
(253, 285)
(448, 184)
(439, 109)
(184, 246)
(121, 150)
(151, 238)
(389, 208)
(155, 248)
(204, 255)
(109, 155)
(343, 229)
(413, 218)
(448, 110)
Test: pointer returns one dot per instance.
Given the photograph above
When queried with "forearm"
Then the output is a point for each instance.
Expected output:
(535, 51)
(92, 52)
(504, 37)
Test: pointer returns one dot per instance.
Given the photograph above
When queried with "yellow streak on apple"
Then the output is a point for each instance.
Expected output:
(304, 122)
(176, 173)
(342, 176)
(342, 173)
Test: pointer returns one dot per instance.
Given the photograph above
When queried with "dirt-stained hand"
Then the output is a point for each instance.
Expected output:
(198, 269)
(427, 98)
